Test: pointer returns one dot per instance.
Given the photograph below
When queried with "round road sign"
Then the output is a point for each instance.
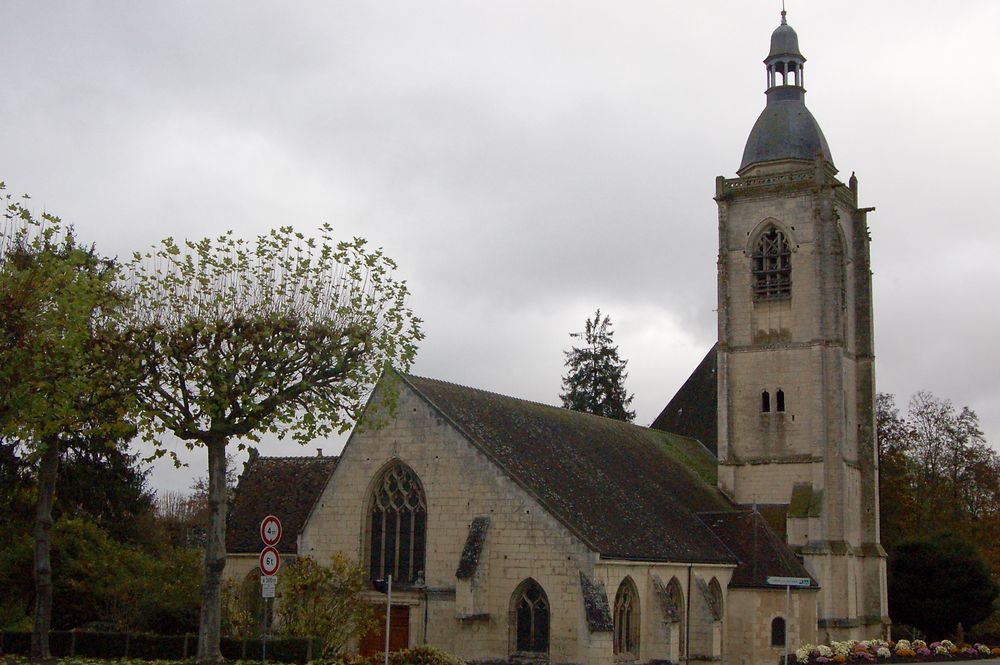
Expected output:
(270, 530)
(269, 560)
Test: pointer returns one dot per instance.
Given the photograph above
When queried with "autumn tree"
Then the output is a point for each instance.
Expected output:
(63, 374)
(595, 380)
(938, 478)
(284, 335)
(325, 602)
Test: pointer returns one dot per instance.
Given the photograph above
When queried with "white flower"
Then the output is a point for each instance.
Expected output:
(940, 650)
(802, 655)
(947, 644)
(902, 644)
(982, 648)
(825, 651)
(883, 652)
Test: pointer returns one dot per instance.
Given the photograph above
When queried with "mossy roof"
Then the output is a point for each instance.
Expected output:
(629, 492)
(286, 487)
(761, 552)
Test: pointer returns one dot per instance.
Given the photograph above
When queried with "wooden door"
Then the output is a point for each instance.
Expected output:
(399, 631)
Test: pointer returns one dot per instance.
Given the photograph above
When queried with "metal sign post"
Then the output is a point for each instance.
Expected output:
(388, 610)
(269, 561)
(788, 583)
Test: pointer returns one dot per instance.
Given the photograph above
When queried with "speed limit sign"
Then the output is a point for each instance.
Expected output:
(270, 530)
(269, 561)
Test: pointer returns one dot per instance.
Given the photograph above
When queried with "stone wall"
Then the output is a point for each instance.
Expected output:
(751, 612)
(470, 618)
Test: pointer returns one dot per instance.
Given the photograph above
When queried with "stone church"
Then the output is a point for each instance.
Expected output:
(521, 531)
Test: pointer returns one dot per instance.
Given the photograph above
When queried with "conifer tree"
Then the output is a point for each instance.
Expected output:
(595, 381)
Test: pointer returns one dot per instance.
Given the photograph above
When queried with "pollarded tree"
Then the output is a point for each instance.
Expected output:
(63, 373)
(285, 336)
(595, 382)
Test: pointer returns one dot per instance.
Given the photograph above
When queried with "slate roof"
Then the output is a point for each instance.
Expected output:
(287, 487)
(693, 410)
(629, 492)
(761, 552)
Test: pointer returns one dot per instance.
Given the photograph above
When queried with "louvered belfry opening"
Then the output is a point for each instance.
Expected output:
(398, 526)
(772, 266)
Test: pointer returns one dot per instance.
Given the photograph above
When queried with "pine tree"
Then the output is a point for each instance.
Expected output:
(595, 382)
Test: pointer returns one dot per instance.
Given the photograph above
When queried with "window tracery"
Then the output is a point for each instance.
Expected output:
(626, 638)
(398, 526)
(772, 266)
(530, 609)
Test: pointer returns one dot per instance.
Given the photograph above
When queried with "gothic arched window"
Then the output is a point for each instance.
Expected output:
(398, 526)
(778, 632)
(779, 397)
(530, 614)
(627, 619)
(772, 266)
(765, 402)
(677, 600)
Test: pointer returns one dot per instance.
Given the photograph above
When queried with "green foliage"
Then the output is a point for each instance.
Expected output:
(324, 602)
(243, 607)
(98, 579)
(423, 655)
(61, 368)
(284, 336)
(936, 584)
(595, 382)
(937, 476)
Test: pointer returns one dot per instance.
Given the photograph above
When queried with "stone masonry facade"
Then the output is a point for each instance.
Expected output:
(816, 347)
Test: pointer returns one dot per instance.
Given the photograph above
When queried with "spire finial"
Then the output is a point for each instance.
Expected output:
(783, 12)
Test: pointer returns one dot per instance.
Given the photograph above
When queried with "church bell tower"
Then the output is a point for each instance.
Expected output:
(796, 386)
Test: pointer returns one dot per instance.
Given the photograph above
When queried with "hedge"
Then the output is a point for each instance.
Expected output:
(157, 647)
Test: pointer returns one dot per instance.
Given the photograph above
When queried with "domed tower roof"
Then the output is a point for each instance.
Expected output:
(785, 129)
(784, 40)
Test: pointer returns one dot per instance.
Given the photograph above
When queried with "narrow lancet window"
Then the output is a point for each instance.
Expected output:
(772, 266)
(779, 398)
(626, 638)
(765, 402)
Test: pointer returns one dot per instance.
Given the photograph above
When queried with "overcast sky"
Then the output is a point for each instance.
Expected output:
(524, 162)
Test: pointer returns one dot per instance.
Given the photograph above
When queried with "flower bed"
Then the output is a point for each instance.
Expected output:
(902, 651)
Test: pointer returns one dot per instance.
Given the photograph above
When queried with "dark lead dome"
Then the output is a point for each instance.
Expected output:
(785, 129)
(784, 41)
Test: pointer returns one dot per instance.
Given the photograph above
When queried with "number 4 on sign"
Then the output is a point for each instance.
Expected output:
(270, 530)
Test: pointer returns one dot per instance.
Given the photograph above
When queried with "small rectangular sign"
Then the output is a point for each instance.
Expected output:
(268, 583)
(789, 581)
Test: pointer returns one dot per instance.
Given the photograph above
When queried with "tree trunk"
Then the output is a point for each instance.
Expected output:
(48, 469)
(209, 630)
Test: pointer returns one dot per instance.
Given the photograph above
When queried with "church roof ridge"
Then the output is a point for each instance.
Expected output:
(543, 404)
